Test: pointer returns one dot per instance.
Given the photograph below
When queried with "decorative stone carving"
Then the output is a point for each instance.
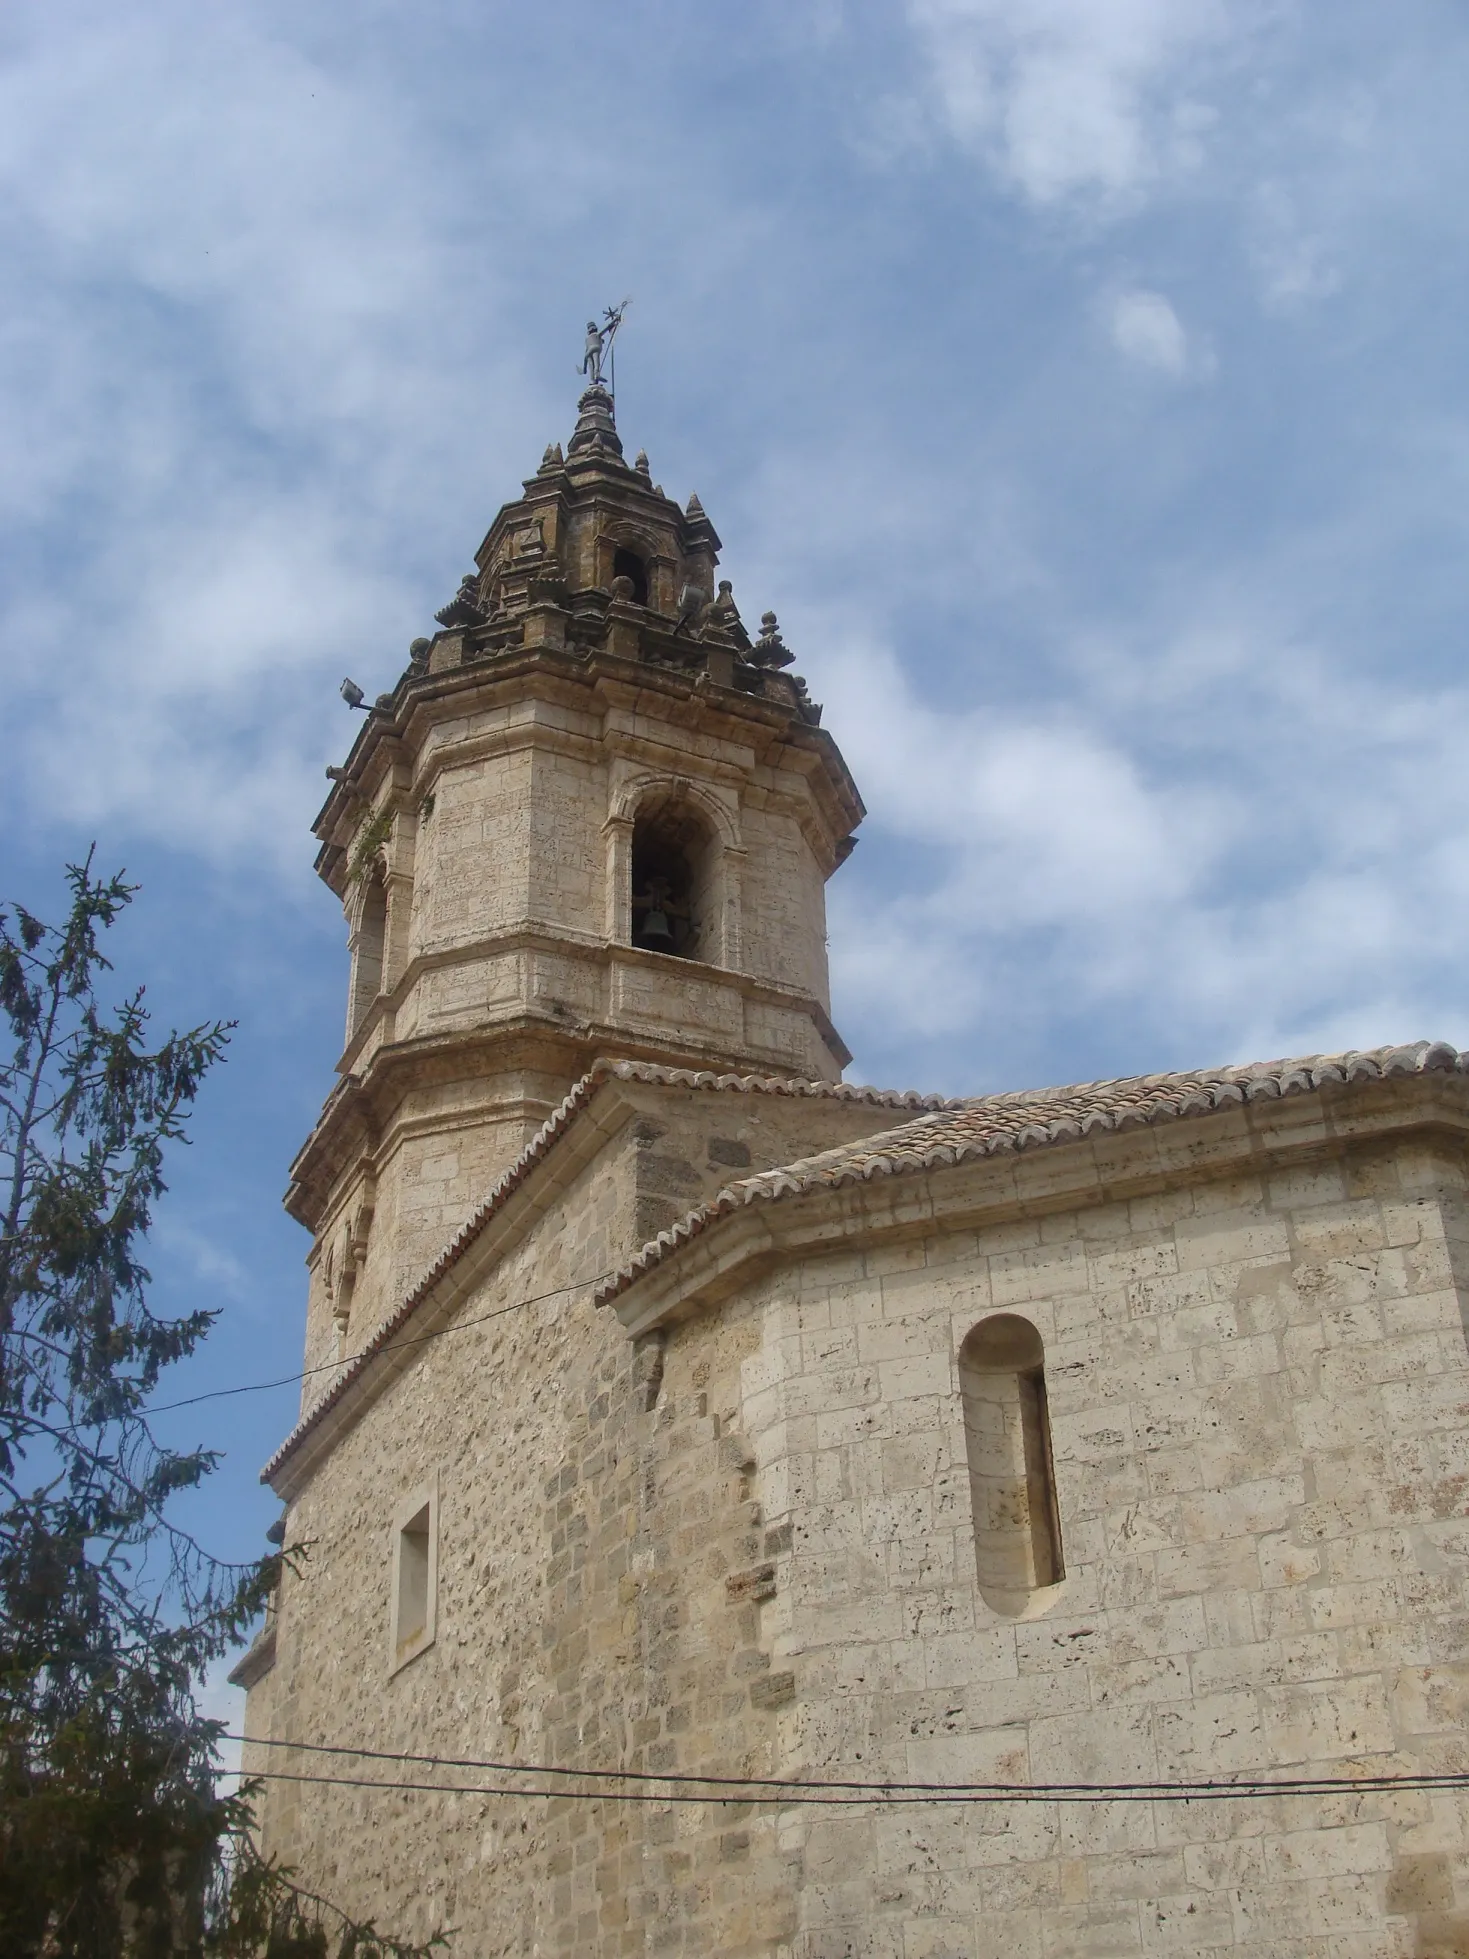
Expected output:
(464, 609)
(770, 650)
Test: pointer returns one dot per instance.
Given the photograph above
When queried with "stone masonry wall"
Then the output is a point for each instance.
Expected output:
(603, 1563)
(783, 930)
(593, 1513)
(473, 853)
(431, 1183)
(428, 1185)
(1258, 1391)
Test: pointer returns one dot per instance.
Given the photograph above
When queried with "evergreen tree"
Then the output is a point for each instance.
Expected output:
(114, 1838)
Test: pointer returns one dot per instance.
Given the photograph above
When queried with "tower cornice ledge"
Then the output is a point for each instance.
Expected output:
(549, 1040)
(398, 734)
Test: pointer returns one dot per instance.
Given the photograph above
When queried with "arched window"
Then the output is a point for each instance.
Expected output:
(627, 564)
(1012, 1484)
(672, 881)
(369, 944)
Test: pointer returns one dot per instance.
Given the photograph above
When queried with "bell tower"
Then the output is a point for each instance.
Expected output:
(593, 818)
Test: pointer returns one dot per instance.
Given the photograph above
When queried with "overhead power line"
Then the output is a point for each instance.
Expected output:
(370, 1353)
(784, 1791)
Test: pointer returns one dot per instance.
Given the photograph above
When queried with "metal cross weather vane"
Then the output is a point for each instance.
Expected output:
(599, 349)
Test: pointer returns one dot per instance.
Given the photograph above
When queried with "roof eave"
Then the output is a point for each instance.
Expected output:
(729, 1242)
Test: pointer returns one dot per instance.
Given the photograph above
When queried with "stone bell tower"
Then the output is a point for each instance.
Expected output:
(594, 817)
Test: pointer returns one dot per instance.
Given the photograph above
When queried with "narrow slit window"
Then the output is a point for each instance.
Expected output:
(414, 1578)
(1012, 1481)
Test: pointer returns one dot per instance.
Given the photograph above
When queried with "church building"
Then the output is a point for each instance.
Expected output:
(1067, 1488)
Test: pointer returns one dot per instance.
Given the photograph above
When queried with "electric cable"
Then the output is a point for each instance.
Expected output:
(784, 1789)
(373, 1353)
(803, 1796)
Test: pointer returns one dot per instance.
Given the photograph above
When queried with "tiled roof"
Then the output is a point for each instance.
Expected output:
(545, 1138)
(990, 1125)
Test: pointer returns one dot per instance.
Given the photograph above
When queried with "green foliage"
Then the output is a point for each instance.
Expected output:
(113, 1837)
(271, 1916)
(373, 835)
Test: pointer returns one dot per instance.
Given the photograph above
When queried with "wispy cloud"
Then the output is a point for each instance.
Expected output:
(1068, 97)
(204, 1258)
(233, 381)
(1186, 832)
(1145, 328)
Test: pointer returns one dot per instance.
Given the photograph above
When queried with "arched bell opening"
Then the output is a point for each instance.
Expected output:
(627, 564)
(1012, 1480)
(673, 878)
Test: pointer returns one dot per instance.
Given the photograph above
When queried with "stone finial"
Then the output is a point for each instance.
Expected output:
(596, 429)
(642, 465)
(418, 653)
(553, 458)
(770, 650)
(724, 614)
(694, 508)
(464, 609)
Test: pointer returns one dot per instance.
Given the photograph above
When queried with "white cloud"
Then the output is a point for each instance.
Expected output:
(267, 357)
(207, 1260)
(1069, 97)
(1294, 264)
(235, 390)
(1146, 329)
(1087, 862)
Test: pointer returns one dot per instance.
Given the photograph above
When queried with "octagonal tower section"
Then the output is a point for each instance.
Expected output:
(595, 817)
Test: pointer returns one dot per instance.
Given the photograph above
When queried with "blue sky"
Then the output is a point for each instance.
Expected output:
(1080, 380)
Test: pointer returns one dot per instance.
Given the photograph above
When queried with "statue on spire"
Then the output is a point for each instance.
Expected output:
(598, 349)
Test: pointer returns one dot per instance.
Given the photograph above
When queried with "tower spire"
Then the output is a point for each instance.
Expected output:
(595, 433)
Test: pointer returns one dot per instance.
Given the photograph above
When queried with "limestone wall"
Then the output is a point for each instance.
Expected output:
(473, 854)
(1258, 1391)
(593, 1508)
(784, 909)
(745, 1544)
(568, 851)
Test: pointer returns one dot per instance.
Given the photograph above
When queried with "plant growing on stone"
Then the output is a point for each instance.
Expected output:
(114, 1838)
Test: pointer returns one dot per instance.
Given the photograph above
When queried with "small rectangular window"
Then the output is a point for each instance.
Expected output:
(415, 1555)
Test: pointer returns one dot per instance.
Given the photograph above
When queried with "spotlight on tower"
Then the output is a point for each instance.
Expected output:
(352, 695)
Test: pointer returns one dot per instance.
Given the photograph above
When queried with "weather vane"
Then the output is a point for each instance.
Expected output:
(599, 350)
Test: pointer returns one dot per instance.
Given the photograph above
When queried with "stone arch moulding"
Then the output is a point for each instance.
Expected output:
(1018, 1558)
(720, 877)
(379, 908)
(367, 938)
(652, 552)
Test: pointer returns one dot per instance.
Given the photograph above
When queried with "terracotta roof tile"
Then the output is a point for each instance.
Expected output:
(946, 1132)
(989, 1125)
(543, 1141)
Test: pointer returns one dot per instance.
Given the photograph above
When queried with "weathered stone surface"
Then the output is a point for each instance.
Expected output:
(767, 1567)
